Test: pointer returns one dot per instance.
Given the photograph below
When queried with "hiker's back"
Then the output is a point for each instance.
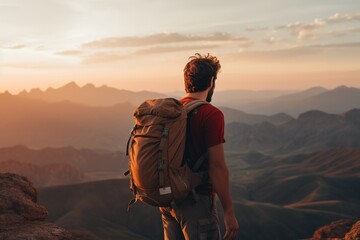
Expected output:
(206, 129)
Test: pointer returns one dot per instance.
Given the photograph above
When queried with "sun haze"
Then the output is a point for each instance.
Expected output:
(143, 45)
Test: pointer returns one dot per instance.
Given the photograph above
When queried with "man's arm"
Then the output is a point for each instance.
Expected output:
(219, 176)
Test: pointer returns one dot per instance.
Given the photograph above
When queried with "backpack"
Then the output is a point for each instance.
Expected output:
(159, 173)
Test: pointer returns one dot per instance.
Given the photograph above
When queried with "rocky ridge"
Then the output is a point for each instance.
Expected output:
(345, 229)
(20, 216)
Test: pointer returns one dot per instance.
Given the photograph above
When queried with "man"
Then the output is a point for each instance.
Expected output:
(196, 216)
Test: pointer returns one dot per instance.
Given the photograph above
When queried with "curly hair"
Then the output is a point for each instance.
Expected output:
(199, 71)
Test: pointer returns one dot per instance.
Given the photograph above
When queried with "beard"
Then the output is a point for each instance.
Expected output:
(210, 94)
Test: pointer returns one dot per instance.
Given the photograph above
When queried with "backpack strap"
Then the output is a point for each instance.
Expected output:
(198, 177)
(193, 105)
(200, 161)
(162, 157)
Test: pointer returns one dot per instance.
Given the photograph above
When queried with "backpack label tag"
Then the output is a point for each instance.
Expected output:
(165, 190)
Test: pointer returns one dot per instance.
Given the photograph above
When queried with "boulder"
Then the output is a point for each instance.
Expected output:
(354, 233)
(336, 229)
(20, 216)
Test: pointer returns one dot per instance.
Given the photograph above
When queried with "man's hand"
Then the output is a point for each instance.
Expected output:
(231, 225)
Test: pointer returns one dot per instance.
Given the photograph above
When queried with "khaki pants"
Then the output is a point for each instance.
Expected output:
(191, 220)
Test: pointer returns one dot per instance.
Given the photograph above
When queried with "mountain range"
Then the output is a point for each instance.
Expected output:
(277, 198)
(337, 100)
(90, 95)
(312, 130)
(267, 102)
(37, 123)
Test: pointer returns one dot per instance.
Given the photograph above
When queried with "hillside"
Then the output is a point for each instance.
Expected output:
(335, 100)
(311, 131)
(39, 124)
(58, 166)
(323, 181)
(48, 175)
(101, 208)
(85, 160)
(233, 115)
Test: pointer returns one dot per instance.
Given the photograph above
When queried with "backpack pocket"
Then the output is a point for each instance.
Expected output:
(180, 181)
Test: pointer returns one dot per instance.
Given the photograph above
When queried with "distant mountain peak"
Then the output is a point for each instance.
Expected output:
(7, 93)
(343, 90)
(35, 91)
(342, 87)
(353, 115)
(70, 85)
(89, 86)
(312, 114)
(317, 88)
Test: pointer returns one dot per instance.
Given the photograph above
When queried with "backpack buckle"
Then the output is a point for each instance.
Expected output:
(161, 165)
(165, 132)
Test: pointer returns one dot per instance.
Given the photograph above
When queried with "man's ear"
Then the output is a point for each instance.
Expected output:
(212, 81)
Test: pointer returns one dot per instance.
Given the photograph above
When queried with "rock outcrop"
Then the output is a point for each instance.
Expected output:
(354, 233)
(345, 229)
(20, 216)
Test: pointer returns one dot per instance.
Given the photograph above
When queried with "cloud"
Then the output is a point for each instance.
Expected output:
(343, 32)
(14, 47)
(69, 53)
(152, 44)
(338, 18)
(157, 50)
(244, 42)
(305, 31)
(352, 30)
(272, 40)
(287, 54)
(102, 57)
(107, 57)
(253, 29)
(339, 45)
(26, 65)
(159, 39)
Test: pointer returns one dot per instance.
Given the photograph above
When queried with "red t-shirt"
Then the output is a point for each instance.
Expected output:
(206, 130)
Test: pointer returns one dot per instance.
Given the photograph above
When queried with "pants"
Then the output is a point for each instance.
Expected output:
(191, 220)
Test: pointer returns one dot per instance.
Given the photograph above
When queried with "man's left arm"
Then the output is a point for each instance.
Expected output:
(219, 175)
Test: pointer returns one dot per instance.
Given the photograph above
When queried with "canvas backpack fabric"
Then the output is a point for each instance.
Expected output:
(159, 175)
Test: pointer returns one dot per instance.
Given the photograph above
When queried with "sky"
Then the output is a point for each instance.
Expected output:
(144, 45)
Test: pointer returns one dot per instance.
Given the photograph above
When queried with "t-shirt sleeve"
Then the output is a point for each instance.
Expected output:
(214, 128)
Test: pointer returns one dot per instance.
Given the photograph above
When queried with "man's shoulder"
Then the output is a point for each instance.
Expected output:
(209, 111)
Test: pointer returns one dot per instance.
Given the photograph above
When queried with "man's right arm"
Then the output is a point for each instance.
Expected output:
(219, 176)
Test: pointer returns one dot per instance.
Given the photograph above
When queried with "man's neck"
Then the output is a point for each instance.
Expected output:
(198, 95)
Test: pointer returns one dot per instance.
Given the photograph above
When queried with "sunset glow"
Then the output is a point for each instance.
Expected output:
(143, 45)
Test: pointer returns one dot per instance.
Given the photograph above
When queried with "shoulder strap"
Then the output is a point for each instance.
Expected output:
(190, 107)
(194, 104)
